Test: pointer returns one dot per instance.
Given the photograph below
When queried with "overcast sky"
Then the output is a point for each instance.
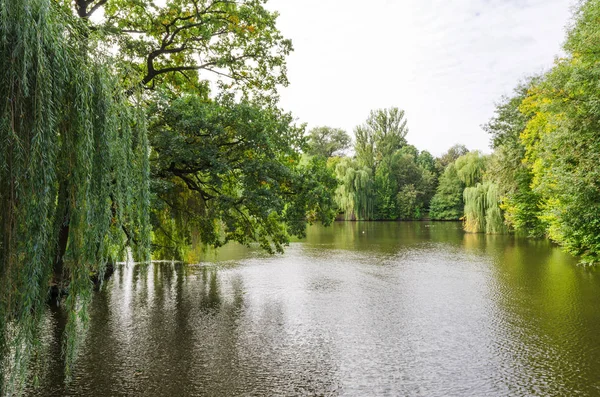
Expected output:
(444, 62)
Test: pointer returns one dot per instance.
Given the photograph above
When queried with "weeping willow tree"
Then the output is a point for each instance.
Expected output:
(482, 209)
(73, 176)
(471, 167)
(355, 194)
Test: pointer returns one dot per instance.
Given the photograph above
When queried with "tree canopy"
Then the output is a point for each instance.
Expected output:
(380, 136)
(176, 45)
(232, 171)
(327, 141)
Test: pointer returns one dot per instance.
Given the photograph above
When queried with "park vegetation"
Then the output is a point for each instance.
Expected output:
(541, 180)
(115, 142)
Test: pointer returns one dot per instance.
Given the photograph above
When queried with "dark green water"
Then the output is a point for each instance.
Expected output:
(357, 309)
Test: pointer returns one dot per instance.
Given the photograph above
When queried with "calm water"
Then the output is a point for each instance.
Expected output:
(357, 309)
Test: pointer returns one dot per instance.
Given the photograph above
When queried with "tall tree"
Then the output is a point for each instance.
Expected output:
(380, 136)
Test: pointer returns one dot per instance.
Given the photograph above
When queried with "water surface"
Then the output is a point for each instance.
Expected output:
(356, 309)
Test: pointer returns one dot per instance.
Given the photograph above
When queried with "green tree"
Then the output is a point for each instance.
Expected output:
(426, 161)
(408, 203)
(482, 213)
(561, 139)
(327, 141)
(415, 185)
(512, 175)
(231, 171)
(386, 191)
(482, 210)
(377, 141)
(380, 136)
(72, 144)
(171, 48)
(464, 172)
(402, 173)
(355, 194)
(471, 168)
(447, 203)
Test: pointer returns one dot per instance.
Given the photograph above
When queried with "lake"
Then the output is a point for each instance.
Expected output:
(355, 309)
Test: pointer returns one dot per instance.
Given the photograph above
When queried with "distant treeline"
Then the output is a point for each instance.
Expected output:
(542, 179)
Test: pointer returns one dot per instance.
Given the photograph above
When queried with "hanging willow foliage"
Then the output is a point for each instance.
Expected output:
(475, 205)
(494, 220)
(482, 210)
(73, 165)
(470, 168)
(355, 194)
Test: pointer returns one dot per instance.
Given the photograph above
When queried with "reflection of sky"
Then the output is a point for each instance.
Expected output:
(444, 62)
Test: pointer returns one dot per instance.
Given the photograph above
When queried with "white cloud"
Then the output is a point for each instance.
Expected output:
(445, 63)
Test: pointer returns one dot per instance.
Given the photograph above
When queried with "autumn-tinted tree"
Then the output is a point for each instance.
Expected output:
(521, 205)
(561, 139)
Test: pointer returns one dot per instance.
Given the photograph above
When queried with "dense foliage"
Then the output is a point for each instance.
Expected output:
(231, 171)
(447, 204)
(462, 192)
(482, 210)
(73, 174)
(521, 205)
(355, 193)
